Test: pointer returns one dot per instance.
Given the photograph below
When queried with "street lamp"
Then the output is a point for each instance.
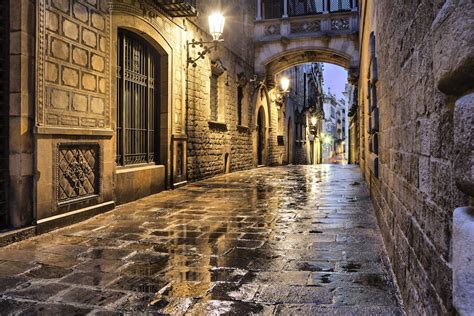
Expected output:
(327, 139)
(216, 25)
(284, 84)
(314, 120)
(216, 28)
(282, 92)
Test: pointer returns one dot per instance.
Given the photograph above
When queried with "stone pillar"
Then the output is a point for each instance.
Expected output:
(22, 102)
(259, 10)
(463, 259)
(285, 9)
(354, 5)
(326, 6)
(454, 75)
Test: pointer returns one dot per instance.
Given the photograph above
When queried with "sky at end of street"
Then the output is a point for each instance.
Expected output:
(335, 78)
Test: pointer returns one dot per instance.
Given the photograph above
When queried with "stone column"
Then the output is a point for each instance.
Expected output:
(454, 75)
(259, 10)
(22, 102)
(325, 6)
(354, 5)
(285, 9)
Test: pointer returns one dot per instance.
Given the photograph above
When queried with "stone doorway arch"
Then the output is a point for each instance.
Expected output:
(261, 127)
(290, 142)
(261, 137)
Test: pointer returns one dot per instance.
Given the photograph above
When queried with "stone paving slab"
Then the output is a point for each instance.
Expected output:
(295, 240)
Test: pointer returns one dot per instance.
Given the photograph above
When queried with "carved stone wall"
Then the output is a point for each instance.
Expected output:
(73, 63)
(78, 171)
(212, 145)
(415, 192)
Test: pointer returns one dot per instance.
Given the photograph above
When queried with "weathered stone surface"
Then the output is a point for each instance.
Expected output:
(59, 99)
(59, 49)
(70, 30)
(252, 241)
(424, 55)
(453, 38)
(89, 38)
(70, 77)
(464, 144)
(463, 259)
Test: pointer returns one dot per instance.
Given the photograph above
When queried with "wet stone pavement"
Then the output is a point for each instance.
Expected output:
(297, 240)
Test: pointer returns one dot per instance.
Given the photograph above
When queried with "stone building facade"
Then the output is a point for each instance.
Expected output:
(100, 106)
(303, 113)
(334, 126)
(414, 65)
(105, 108)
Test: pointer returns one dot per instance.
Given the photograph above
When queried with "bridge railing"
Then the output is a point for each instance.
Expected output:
(274, 9)
(339, 23)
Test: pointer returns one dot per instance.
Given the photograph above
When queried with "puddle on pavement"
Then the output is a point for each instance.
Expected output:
(351, 267)
(375, 280)
(326, 278)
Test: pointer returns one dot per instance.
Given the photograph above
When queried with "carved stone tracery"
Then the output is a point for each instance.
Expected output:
(78, 171)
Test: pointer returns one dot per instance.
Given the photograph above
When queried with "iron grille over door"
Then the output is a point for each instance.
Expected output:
(4, 101)
(137, 115)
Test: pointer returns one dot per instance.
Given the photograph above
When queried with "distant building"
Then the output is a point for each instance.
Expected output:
(304, 114)
(334, 127)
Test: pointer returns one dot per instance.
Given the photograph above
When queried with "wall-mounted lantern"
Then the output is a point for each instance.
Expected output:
(283, 91)
(284, 84)
(216, 28)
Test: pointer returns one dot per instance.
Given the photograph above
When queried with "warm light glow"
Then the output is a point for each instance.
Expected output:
(314, 120)
(272, 96)
(216, 25)
(284, 83)
(327, 139)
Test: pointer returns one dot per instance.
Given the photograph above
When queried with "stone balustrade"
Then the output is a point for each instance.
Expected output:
(339, 23)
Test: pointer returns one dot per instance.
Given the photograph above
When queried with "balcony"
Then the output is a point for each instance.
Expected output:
(273, 9)
(295, 18)
(178, 8)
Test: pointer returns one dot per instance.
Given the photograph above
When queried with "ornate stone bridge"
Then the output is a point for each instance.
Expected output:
(305, 36)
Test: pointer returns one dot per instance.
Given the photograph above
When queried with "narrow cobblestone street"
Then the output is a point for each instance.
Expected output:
(285, 240)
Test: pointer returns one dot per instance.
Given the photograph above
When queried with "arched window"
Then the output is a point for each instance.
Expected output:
(240, 100)
(137, 100)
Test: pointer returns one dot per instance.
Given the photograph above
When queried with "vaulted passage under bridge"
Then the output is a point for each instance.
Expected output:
(297, 33)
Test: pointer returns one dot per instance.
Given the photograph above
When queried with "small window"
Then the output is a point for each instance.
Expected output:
(240, 99)
(137, 101)
(214, 93)
(217, 92)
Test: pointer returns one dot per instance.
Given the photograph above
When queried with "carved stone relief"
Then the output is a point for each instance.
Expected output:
(78, 171)
(73, 64)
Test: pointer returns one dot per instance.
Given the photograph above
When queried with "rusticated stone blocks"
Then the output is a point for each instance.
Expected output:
(75, 72)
